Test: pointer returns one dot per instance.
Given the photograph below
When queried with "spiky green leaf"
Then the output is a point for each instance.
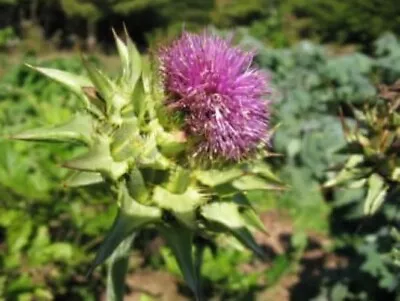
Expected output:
(139, 101)
(135, 63)
(71, 81)
(99, 159)
(150, 156)
(136, 186)
(228, 216)
(396, 174)
(117, 269)
(82, 178)
(146, 75)
(349, 173)
(182, 206)
(180, 241)
(123, 54)
(252, 182)
(101, 82)
(377, 189)
(126, 141)
(131, 217)
(179, 180)
(252, 219)
(78, 129)
(171, 143)
(264, 170)
(96, 100)
(216, 177)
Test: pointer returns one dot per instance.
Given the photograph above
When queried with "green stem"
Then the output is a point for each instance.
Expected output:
(198, 261)
(116, 270)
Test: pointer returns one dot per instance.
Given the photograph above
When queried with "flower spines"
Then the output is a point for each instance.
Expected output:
(221, 97)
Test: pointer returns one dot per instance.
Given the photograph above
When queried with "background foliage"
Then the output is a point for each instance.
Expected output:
(321, 245)
(278, 23)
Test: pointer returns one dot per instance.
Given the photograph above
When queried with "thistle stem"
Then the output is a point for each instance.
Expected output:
(198, 261)
(116, 270)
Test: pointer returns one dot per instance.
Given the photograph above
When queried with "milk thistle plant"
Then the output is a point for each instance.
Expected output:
(373, 148)
(178, 139)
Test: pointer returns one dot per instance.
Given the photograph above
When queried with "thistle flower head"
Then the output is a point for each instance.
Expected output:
(221, 96)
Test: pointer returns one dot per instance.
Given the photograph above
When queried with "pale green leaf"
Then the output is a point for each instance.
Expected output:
(216, 177)
(228, 216)
(135, 63)
(251, 182)
(182, 206)
(131, 217)
(377, 189)
(126, 141)
(252, 219)
(117, 268)
(136, 185)
(179, 180)
(99, 159)
(123, 53)
(71, 81)
(82, 178)
(349, 173)
(100, 81)
(79, 129)
(264, 170)
(180, 241)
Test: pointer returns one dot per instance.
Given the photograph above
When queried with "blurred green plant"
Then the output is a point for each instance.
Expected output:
(312, 87)
(373, 146)
(7, 34)
(70, 21)
(45, 244)
(357, 21)
(278, 23)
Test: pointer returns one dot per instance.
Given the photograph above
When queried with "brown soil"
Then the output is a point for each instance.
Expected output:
(157, 284)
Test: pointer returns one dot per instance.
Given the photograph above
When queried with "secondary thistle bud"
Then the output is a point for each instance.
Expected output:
(220, 95)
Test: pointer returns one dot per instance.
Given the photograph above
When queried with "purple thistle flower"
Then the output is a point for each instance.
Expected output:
(221, 96)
